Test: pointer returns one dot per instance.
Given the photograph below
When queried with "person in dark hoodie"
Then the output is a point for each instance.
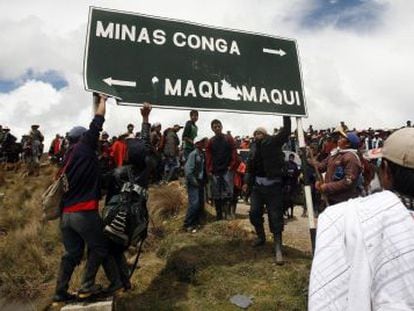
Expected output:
(136, 171)
(265, 170)
(80, 223)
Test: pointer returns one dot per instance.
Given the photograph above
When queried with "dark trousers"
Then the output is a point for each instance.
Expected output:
(271, 198)
(195, 205)
(81, 229)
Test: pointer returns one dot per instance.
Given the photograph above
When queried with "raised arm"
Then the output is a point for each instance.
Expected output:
(146, 127)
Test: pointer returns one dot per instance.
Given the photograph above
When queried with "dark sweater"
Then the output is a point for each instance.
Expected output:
(83, 170)
(220, 154)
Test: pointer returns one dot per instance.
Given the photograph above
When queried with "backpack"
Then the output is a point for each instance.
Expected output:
(125, 216)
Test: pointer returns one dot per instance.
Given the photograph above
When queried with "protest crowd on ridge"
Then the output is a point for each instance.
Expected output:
(263, 170)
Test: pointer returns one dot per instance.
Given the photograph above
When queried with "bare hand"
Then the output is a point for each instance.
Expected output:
(103, 98)
(146, 110)
(319, 186)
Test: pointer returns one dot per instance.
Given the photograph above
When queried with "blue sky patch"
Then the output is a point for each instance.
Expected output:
(344, 14)
(51, 76)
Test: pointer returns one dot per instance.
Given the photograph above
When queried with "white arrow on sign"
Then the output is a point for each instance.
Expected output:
(111, 82)
(279, 52)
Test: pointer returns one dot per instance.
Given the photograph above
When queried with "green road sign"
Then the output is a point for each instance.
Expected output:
(170, 63)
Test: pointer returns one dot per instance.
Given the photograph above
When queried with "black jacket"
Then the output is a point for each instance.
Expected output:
(83, 170)
(138, 164)
(271, 154)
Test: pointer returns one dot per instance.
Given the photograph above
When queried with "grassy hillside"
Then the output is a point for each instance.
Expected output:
(179, 270)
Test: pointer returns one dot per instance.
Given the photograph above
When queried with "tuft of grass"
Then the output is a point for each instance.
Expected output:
(166, 201)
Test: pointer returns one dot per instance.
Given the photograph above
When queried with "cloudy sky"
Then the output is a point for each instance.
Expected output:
(356, 57)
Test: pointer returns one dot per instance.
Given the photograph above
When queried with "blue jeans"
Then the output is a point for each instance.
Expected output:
(195, 204)
(171, 165)
(271, 198)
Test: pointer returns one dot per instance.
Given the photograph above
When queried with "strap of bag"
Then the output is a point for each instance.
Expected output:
(139, 247)
(63, 170)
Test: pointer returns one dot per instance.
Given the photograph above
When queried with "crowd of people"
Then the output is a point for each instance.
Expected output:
(264, 169)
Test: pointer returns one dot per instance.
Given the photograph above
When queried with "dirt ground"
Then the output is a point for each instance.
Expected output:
(296, 233)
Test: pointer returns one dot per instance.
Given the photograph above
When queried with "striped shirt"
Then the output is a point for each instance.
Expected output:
(364, 257)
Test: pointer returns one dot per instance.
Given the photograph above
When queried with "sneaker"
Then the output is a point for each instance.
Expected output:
(63, 297)
(112, 289)
(258, 242)
(190, 229)
(85, 292)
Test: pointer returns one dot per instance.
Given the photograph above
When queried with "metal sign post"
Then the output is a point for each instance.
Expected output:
(307, 188)
(181, 65)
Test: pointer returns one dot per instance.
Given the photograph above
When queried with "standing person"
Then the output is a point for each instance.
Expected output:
(190, 133)
(136, 172)
(265, 169)
(195, 179)
(80, 223)
(157, 142)
(36, 138)
(54, 150)
(118, 151)
(343, 170)
(290, 185)
(364, 257)
(2, 134)
(221, 161)
(130, 131)
(171, 152)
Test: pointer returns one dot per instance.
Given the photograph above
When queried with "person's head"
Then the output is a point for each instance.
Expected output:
(201, 143)
(408, 123)
(57, 136)
(216, 126)
(104, 135)
(130, 128)
(348, 140)
(177, 127)
(194, 115)
(291, 157)
(259, 133)
(76, 133)
(35, 126)
(397, 166)
(156, 127)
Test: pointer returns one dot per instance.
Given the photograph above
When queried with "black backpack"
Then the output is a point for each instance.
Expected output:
(125, 215)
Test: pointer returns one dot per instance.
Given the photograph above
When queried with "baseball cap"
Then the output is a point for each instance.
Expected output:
(353, 139)
(399, 148)
(76, 132)
(178, 126)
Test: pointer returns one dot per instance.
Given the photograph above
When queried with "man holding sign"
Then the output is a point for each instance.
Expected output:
(265, 169)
